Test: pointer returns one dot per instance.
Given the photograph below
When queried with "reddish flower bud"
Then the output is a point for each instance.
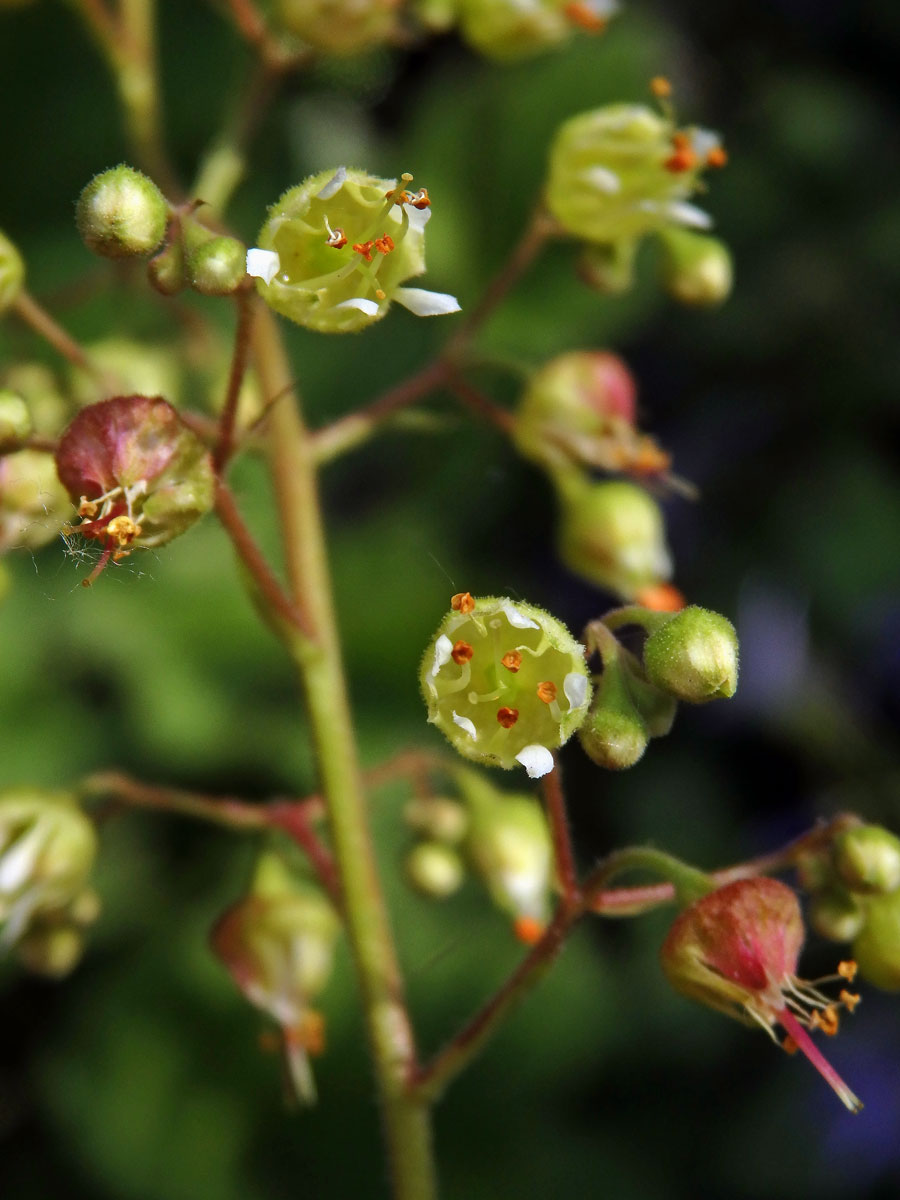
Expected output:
(736, 949)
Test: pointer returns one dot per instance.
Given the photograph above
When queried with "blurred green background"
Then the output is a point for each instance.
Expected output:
(141, 1077)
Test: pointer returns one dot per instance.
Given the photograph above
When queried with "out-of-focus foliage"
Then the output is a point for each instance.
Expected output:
(140, 1076)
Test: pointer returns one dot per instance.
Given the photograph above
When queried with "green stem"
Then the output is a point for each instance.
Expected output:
(405, 1116)
(688, 883)
(635, 614)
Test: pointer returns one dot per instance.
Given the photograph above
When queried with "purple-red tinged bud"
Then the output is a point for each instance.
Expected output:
(736, 950)
(139, 476)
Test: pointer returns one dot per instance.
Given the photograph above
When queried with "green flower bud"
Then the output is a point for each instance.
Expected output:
(336, 249)
(867, 858)
(508, 29)
(510, 847)
(48, 408)
(505, 682)
(608, 269)
(438, 818)
(436, 15)
(339, 26)
(434, 869)
(217, 265)
(612, 534)
(12, 273)
(47, 850)
(621, 172)
(837, 915)
(696, 269)
(52, 950)
(15, 419)
(694, 655)
(167, 271)
(657, 709)
(131, 367)
(614, 735)
(121, 213)
(815, 871)
(34, 506)
(877, 948)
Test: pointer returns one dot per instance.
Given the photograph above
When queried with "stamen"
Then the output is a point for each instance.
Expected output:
(717, 157)
(507, 717)
(365, 249)
(681, 160)
(336, 237)
(512, 660)
(847, 970)
(849, 999)
(789, 1045)
(546, 691)
(580, 14)
(528, 930)
(462, 602)
(420, 199)
(123, 529)
(384, 244)
(660, 87)
(379, 294)
(461, 652)
(87, 508)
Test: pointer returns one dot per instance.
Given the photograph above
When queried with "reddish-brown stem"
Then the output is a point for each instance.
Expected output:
(566, 871)
(254, 560)
(479, 403)
(34, 441)
(100, 21)
(28, 310)
(239, 359)
(295, 819)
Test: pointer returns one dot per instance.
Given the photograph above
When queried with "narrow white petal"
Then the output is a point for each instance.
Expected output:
(418, 217)
(423, 303)
(603, 180)
(369, 307)
(575, 685)
(466, 724)
(704, 140)
(537, 760)
(263, 264)
(518, 620)
(20, 859)
(443, 648)
(688, 214)
(334, 184)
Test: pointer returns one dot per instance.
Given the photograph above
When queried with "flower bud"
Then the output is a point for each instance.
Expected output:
(336, 249)
(506, 30)
(694, 655)
(34, 506)
(836, 914)
(608, 269)
(52, 950)
(15, 419)
(138, 474)
(434, 869)
(437, 16)
(736, 950)
(12, 273)
(216, 265)
(696, 268)
(437, 818)
(867, 858)
(167, 271)
(339, 26)
(877, 947)
(612, 534)
(121, 213)
(623, 171)
(614, 735)
(657, 709)
(38, 386)
(510, 847)
(505, 682)
(47, 850)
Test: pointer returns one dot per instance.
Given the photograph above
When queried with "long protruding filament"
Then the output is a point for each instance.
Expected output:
(808, 1047)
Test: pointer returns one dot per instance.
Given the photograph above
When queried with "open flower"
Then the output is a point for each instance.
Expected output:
(736, 950)
(336, 250)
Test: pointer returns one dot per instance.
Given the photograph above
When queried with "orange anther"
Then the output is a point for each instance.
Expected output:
(336, 239)
(789, 1045)
(847, 969)
(308, 1033)
(528, 930)
(849, 999)
(581, 15)
(512, 660)
(680, 141)
(420, 199)
(507, 717)
(681, 160)
(661, 597)
(384, 244)
(461, 652)
(365, 249)
(717, 157)
(660, 87)
(826, 1020)
(379, 294)
(546, 691)
(462, 602)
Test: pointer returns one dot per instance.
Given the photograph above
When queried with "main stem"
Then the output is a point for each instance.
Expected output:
(406, 1118)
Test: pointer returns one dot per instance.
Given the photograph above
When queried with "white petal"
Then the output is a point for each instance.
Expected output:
(369, 307)
(20, 859)
(423, 303)
(466, 724)
(418, 217)
(575, 685)
(518, 620)
(688, 214)
(603, 8)
(443, 648)
(263, 264)
(704, 140)
(603, 180)
(537, 760)
(334, 184)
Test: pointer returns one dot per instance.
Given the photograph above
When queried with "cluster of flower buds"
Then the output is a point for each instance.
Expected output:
(736, 950)
(277, 943)
(34, 505)
(690, 655)
(855, 889)
(339, 26)
(502, 836)
(136, 472)
(506, 30)
(12, 273)
(505, 682)
(620, 173)
(337, 249)
(47, 851)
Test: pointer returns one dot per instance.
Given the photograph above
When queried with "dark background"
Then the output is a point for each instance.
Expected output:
(140, 1076)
